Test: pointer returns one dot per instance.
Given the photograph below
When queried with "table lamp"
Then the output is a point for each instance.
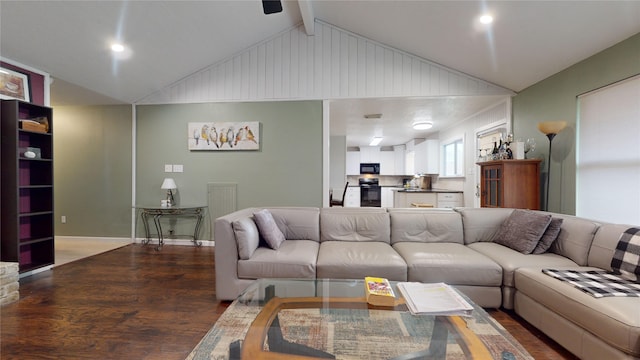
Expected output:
(551, 129)
(169, 184)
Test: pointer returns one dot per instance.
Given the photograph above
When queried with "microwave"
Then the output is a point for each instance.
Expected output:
(370, 168)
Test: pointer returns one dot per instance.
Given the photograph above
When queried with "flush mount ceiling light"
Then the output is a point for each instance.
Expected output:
(116, 47)
(422, 125)
(486, 19)
(376, 141)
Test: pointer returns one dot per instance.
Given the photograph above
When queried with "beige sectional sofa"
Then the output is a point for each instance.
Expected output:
(442, 245)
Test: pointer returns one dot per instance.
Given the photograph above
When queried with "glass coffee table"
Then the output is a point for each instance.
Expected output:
(324, 318)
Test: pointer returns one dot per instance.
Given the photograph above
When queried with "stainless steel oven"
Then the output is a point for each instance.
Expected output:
(370, 192)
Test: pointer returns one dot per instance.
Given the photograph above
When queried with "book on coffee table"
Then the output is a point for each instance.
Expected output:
(379, 291)
(434, 299)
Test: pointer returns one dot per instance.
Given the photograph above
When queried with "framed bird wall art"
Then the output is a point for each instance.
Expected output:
(224, 136)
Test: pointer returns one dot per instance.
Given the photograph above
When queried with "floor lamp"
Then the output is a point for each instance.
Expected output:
(551, 129)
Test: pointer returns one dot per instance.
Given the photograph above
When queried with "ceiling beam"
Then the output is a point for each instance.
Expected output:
(306, 10)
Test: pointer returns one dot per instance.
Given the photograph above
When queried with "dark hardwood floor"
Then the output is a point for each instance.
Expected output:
(138, 303)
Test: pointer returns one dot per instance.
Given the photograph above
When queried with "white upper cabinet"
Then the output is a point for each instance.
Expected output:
(387, 163)
(398, 154)
(426, 158)
(353, 163)
(369, 154)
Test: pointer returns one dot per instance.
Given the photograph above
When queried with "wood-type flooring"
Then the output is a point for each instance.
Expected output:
(138, 303)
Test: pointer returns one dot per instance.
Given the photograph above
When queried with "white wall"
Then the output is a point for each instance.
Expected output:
(499, 112)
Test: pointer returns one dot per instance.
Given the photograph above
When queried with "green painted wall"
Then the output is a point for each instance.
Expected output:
(555, 98)
(92, 170)
(286, 171)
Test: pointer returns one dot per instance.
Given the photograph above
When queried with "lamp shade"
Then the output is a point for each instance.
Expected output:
(169, 184)
(551, 127)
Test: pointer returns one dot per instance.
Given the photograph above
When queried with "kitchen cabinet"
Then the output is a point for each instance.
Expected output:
(427, 157)
(398, 161)
(403, 199)
(510, 184)
(27, 185)
(387, 197)
(387, 163)
(352, 197)
(450, 200)
(369, 154)
(353, 163)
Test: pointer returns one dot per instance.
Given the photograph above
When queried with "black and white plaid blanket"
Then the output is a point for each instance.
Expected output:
(626, 259)
(597, 283)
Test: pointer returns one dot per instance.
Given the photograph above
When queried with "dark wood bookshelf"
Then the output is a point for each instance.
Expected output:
(26, 160)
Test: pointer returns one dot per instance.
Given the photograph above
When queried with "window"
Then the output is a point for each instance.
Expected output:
(453, 158)
(607, 154)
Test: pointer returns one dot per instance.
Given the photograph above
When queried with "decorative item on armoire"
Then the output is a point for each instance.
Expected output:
(551, 129)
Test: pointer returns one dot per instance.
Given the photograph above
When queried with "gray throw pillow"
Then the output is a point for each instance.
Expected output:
(522, 230)
(550, 235)
(247, 237)
(269, 229)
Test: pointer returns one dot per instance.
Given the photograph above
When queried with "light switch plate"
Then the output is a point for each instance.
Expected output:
(178, 168)
(168, 168)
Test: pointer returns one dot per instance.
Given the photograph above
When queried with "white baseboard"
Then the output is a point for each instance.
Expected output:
(136, 240)
(33, 272)
(181, 242)
(94, 238)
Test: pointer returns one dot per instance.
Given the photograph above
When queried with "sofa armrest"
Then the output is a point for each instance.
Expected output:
(228, 285)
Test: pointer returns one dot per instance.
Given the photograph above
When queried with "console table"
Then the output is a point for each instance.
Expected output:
(157, 212)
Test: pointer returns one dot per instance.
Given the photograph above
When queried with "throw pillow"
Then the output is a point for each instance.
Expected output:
(550, 235)
(522, 230)
(269, 229)
(626, 258)
(247, 237)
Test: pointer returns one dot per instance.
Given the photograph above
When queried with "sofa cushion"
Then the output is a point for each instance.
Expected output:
(482, 224)
(550, 235)
(357, 259)
(298, 223)
(425, 225)
(350, 225)
(247, 237)
(293, 259)
(454, 264)
(604, 245)
(510, 260)
(522, 230)
(614, 320)
(574, 240)
(268, 228)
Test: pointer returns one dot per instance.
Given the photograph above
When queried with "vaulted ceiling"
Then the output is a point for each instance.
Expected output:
(169, 40)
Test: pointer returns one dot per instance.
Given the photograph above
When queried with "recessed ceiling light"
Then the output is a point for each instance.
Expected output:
(422, 125)
(376, 140)
(486, 19)
(117, 47)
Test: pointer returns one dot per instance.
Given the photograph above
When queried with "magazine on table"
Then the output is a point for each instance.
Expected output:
(434, 299)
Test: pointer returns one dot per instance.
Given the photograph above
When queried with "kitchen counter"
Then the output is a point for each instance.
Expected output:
(441, 198)
(426, 190)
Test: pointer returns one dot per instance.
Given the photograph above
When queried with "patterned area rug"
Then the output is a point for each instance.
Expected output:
(352, 333)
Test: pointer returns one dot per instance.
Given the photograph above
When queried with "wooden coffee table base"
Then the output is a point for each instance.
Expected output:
(267, 326)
